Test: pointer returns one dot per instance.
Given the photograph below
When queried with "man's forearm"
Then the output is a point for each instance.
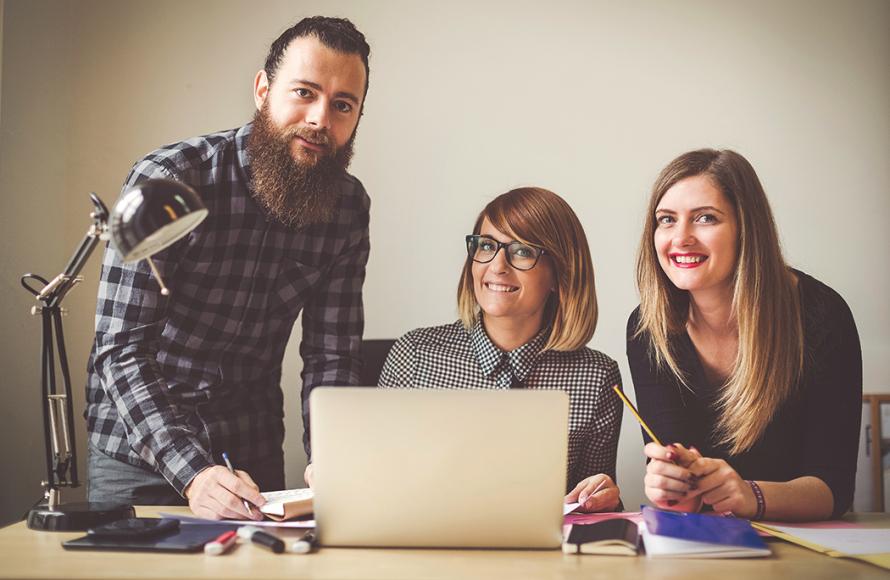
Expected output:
(157, 429)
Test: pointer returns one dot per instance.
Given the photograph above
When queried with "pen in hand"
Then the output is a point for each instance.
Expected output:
(225, 457)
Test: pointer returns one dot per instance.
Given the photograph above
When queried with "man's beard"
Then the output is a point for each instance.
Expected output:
(296, 192)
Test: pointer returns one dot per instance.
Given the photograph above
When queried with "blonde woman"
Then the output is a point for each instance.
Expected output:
(751, 368)
(527, 309)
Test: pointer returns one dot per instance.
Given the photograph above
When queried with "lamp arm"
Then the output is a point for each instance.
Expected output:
(65, 412)
(53, 293)
(58, 408)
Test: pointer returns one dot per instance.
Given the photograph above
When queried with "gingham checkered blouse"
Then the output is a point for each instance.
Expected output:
(446, 357)
(175, 380)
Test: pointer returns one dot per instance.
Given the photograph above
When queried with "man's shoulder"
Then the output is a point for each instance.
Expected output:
(354, 190)
(182, 158)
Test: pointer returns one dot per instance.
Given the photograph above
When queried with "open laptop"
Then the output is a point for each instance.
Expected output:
(439, 468)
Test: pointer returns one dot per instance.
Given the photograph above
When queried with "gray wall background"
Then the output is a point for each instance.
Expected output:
(467, 100)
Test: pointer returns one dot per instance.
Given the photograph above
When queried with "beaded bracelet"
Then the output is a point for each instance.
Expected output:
(758, 495)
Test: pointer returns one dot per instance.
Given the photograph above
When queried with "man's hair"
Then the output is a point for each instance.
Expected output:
(539, 217)
(335, 33)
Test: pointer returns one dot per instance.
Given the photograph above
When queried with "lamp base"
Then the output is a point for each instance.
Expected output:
(77, 516)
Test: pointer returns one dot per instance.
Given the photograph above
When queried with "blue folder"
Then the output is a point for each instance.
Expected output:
(706, 529)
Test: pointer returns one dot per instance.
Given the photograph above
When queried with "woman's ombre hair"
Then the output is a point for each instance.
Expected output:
(539, 217)
(765, 301)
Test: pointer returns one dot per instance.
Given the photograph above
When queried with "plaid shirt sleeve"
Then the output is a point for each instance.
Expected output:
(334, 320)
(130, 317)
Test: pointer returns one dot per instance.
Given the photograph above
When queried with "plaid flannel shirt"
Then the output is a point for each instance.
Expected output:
(175, 380)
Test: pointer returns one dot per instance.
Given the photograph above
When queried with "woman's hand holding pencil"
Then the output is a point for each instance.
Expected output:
(669, 483)
(681, 479)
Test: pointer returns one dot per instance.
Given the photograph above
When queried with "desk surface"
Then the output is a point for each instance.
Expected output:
(28, 554)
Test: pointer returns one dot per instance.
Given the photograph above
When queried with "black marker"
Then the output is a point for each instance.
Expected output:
(305, 544)
(264, 539)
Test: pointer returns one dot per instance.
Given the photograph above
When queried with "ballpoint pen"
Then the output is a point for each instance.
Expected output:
(225, 457)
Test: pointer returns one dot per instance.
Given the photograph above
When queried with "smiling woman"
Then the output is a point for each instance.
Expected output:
(696, 236)
(739, 359)
(528, 307)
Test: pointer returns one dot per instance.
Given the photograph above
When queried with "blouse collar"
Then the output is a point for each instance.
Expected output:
(520, 361)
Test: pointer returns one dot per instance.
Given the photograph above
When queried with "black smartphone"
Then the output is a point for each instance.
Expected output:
(133, 528)
(190, 538)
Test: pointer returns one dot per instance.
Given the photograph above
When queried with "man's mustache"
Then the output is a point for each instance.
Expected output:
(315, 136)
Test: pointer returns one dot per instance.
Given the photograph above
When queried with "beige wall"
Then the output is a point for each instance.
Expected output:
(467, 100)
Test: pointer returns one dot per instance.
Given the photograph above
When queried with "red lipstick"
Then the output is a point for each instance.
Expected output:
(687, 260)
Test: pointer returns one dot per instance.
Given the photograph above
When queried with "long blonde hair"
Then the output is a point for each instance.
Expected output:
(541, 218)
(765, 302)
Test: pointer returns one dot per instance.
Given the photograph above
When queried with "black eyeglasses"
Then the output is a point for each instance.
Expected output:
(521, 256)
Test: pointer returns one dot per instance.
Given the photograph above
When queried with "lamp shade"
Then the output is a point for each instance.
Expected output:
(152, 215)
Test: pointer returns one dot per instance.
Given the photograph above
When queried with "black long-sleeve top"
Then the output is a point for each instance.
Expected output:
(814, 433)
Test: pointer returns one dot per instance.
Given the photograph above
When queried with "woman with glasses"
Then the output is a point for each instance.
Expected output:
(750, 368)
(527, 307)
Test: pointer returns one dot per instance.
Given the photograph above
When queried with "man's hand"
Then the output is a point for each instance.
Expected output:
(218, 494)
(597, 493)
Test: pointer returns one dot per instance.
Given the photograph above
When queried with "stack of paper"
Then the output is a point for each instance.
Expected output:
(288, 503)
(838, 539)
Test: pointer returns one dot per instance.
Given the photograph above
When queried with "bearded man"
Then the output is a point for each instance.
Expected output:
(175, 381)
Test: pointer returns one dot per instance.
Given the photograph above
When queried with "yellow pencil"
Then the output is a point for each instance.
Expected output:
(636, 414)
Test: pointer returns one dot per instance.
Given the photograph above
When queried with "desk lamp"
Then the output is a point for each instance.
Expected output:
(147, 218)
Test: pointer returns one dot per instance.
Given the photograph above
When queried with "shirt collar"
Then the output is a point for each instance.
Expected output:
(491, 358)
(241, 137)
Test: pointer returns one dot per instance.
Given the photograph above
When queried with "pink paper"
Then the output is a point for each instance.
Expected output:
(577, 518)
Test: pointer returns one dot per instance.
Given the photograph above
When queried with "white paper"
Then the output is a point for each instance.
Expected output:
(286, 495)
(298, 524)
(275, 500)
(852, 541)
(569, 508)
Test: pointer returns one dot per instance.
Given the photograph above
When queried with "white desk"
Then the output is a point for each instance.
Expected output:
(28, 554)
